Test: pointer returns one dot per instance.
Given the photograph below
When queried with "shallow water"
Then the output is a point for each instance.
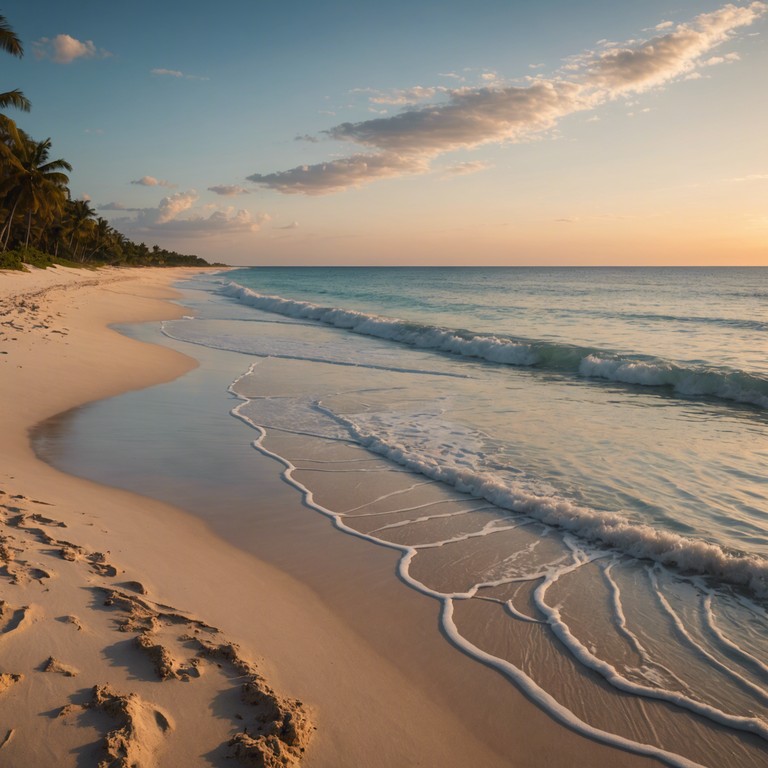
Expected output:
(595, 531)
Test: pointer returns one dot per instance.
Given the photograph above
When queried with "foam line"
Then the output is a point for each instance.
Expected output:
(549, 704)
(389, 496)
(439, 502)
(487, 530)
(424, 519)
(509, 606)
(611, 675)
(748, 685)
(629, 635)
(711, 624)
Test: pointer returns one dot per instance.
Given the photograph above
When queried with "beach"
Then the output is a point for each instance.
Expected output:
(406, 405)
(129, 625)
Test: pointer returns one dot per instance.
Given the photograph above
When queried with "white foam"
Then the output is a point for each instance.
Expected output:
(690, 380)
(611, 529)
(745, 656)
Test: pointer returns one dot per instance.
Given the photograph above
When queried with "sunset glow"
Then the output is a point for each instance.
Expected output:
(348, 133)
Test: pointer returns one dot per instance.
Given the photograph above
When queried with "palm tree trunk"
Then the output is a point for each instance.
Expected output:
(7, 228)
(29, 227)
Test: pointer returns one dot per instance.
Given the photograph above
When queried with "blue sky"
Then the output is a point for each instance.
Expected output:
(422, 132)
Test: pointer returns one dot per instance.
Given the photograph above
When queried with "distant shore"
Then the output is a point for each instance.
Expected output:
(88, 575)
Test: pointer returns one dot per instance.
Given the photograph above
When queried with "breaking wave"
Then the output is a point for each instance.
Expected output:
(688, 380)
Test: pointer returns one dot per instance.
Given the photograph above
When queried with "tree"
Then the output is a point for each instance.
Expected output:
(10, 43)
(79, 224)
(34, 185)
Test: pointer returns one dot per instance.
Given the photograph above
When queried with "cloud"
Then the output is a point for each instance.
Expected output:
(151, 181)
(175, 216)
(160, 72)
(336, 175)
(715, 60)
(405, 143)
(471, 117)
(229, 190)
(401, 96)
(464, 169)
(64, 48)
(115, 207)
(661, 59)
(752, 177)
(292, 225)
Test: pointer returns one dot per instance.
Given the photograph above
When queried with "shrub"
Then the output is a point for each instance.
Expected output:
(11, 260)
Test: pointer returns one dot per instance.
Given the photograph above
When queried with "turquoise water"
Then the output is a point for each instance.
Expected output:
(572, 461)
(636, 391)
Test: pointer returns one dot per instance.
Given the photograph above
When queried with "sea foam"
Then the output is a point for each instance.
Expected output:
(684, 379)
(611, 529)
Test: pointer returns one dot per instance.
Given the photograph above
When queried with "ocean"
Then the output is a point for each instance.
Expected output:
(571, 462)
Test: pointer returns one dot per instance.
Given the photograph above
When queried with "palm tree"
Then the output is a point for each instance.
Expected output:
(78, 221)
(10, 43)
(105, 243)
(34, 184)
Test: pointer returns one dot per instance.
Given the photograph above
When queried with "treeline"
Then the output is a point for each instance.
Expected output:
(40, 223)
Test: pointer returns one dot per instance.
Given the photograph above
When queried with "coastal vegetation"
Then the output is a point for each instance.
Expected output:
(40, 223)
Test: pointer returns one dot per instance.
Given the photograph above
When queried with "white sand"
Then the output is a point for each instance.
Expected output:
(96, 664)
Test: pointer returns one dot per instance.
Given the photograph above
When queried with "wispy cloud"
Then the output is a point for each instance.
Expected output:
(464, 169)
(166, 72)
(160, 72)
(405, 143)
(336, 175)
(292, 225)
(151, 181)
(115, 206)
(229, 190)
(64, 49)
(752, 177)
(402, 96)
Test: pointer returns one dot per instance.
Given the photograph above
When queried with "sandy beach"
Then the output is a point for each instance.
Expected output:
(130, 631)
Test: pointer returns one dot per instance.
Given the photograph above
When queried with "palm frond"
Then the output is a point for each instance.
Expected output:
(16, 99)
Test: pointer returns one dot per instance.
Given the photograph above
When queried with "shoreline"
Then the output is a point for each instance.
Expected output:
(406, 722)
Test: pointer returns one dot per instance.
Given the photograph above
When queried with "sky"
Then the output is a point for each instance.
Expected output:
(495, 132)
